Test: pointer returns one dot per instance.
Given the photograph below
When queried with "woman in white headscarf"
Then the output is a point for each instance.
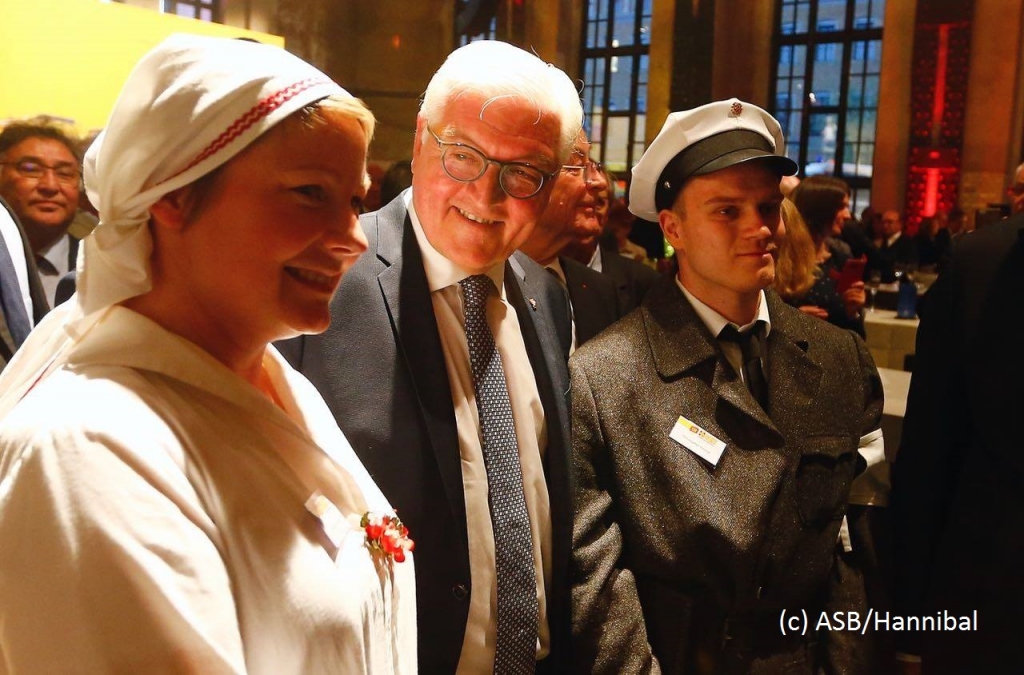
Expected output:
(173, 496)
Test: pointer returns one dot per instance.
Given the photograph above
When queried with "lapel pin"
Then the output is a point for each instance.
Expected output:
(533, 303)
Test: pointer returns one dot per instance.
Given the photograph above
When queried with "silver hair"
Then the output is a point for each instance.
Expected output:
(496, 70)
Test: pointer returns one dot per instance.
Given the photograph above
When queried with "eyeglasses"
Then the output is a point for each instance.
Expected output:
(587, 169)
(466, 164)
(30, 168)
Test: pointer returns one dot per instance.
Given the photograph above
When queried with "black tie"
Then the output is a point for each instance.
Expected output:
(516, 645)
(751, 344)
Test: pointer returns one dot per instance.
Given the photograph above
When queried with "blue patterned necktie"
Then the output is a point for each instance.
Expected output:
(11, 302)
(516, 648)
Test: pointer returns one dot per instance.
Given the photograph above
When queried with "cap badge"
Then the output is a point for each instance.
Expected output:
(736, 109)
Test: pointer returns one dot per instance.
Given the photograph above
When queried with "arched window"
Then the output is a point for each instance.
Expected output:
(614, 58)
(828, 61)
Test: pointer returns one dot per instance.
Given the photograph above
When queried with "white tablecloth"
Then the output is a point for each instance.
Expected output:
(889, 339)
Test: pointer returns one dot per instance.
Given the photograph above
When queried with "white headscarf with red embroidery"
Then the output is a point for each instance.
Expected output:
(189, 106)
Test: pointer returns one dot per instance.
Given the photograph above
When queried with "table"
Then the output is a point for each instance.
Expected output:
(895, 385)
(890, 340)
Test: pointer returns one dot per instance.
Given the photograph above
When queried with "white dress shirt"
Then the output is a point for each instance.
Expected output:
(443, 277)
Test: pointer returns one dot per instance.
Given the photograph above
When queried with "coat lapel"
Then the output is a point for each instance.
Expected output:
(793, 377)
(680, 343)
(403, 284)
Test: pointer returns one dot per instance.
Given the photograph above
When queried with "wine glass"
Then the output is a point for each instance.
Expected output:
(874, 281)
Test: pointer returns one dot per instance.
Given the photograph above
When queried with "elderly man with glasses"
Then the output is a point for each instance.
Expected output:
(573, 205)
(40, 180)
(446, 369)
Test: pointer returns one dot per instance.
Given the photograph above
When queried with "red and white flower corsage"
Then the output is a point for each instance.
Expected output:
(386, 535)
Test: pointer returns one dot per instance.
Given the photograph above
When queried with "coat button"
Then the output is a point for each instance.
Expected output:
(460, 591)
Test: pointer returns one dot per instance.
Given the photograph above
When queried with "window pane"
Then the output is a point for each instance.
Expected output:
(205, 14)
(792, 132)
(785, 60)
(831, 15)
(639, 131)
(595, 72)
(871, 91)
(821, 145)
(803, 14)
(622, 79)
(787, 18)
(641, 87)
(861, 15)
(625, 24)
(598, 126)
(861, 200)
(874, 56)
(800, 59)
(853, 126)
(867, 129)
(827, 69)
(616, 143)
(856, 91)
(865, 159)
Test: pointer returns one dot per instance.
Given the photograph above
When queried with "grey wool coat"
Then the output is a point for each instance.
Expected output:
(684, 567)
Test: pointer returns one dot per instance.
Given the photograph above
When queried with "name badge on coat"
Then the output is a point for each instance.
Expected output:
(697, 440)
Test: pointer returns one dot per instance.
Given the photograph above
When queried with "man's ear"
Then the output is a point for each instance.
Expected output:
(671, 226)
(171, 210)
(417, 142)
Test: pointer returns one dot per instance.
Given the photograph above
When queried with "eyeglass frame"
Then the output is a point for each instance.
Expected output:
(443, 146)
(585, 168)
(66, 180)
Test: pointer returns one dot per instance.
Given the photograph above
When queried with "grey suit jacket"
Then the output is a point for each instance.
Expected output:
(682, 566)
(382, 372)
(40, 306)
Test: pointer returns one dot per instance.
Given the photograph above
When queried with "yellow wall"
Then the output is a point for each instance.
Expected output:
(69, 58)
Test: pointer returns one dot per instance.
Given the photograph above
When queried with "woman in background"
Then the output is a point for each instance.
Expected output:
(173, 496)
(823, 203)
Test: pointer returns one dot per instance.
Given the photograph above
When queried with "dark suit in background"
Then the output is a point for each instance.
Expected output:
(381, 369)
(632, 279)
(958, 481)
(595, 303)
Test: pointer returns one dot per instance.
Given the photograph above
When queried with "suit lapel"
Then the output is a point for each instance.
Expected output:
(549, 371)
(403, 283)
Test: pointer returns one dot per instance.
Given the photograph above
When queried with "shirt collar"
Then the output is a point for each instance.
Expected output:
(556, 267)
(57, 254)
(595, 260)
(442, 272)
(716, 322)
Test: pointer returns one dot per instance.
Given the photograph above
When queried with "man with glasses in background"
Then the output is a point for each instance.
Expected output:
(40, 179)
(573, 205)
(445, 366)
